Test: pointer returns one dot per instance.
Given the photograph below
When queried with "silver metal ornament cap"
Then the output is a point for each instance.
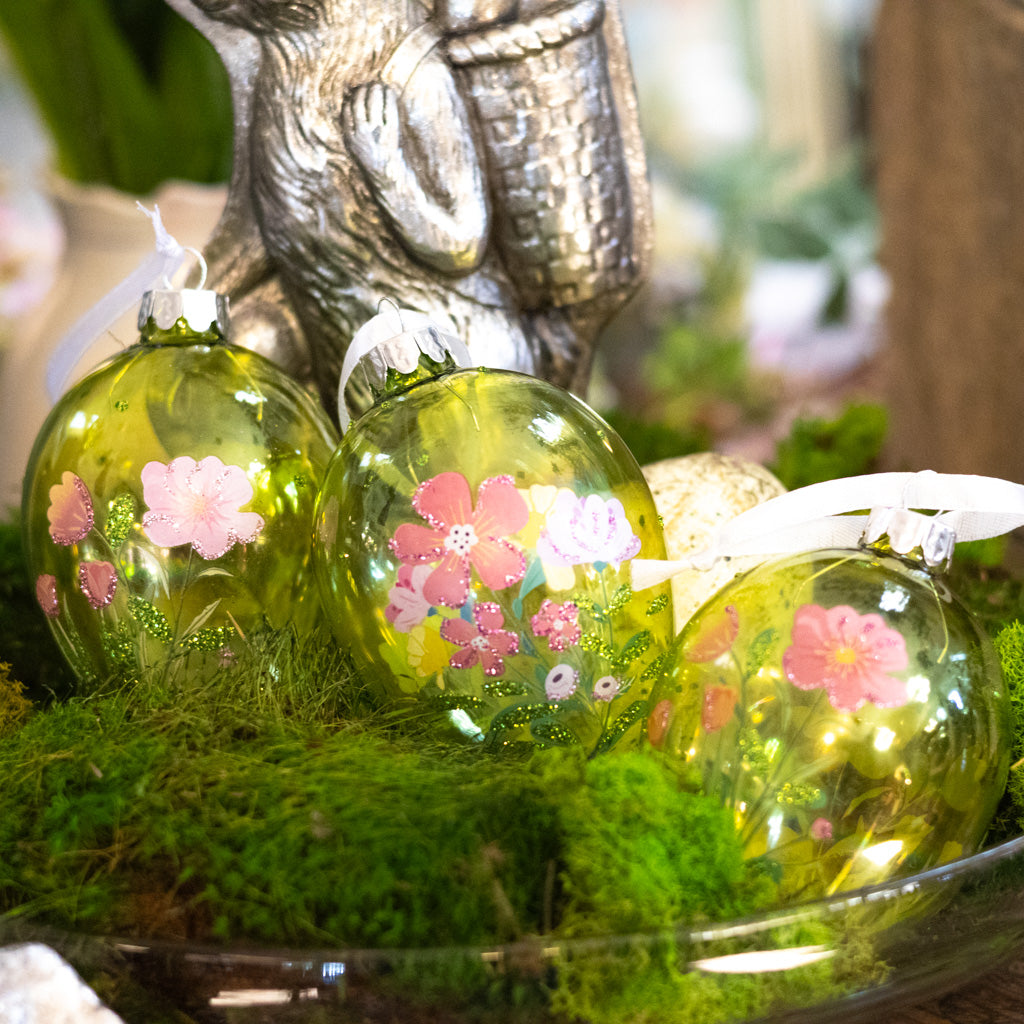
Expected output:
(200, 308)
(908, 530)
(395, 339)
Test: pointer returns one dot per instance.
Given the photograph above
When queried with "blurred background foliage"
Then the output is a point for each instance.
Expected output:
(131, 94)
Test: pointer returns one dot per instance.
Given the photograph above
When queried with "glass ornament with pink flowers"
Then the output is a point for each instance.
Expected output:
(474, 537)
(168, 501)
(847, 708)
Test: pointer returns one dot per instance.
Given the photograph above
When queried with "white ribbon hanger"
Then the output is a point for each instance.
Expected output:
(815, 517)
(159, 266)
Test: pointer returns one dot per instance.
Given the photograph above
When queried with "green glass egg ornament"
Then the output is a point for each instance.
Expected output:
(168, 500)
(846, 706)
(473, 540)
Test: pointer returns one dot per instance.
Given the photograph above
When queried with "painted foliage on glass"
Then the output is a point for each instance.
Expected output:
(848, 709)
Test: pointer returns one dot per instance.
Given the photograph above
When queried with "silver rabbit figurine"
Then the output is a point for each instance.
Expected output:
(474, 159)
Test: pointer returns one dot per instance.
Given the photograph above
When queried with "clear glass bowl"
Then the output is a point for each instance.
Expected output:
(816, 961)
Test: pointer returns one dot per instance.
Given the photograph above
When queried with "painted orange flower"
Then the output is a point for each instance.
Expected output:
(715, 634)
(719, 705)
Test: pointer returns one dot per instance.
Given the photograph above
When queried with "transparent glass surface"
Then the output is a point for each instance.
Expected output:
(849, 958)
(474, 534)
(168, 506)
(848, 709)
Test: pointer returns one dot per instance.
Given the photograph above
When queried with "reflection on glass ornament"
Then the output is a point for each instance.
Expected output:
(846, 706)
(168, 502)
(474, 535)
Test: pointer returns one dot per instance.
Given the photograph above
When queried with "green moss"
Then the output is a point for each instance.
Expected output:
(818, 449)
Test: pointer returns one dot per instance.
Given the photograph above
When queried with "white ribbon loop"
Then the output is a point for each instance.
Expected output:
(816, 517)
(159, 265)
(401, 335)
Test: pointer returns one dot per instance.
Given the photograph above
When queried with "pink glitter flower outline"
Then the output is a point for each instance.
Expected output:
(407, 606)
(46, 594)
(198, 503)
(485, 642)
(460, 536)
(558, 622)
(580, 531)
(98, 581)
(849, 655)
(70, 512)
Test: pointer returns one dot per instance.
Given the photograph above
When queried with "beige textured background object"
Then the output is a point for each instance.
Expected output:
(694, 495)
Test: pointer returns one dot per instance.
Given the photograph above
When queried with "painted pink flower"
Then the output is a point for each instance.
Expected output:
(585, 530)
(718, 707)
(482, 641)
(460, 536)
(716, 632)
(579, 531)
(606, 688)
(821, 830)
(46, 594)
(198, 503)
(98, 581)
(408, 607)
(847, 654)
(558, 622)
(560, 683)
(70, 512)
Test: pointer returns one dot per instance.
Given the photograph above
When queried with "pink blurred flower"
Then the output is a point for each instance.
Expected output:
(46, 594)
(558, 622)
(606, 688)
(70, 512)
(716, 633)
(560, 683)
(482, 641)
(98, 581)
(718, 707)
(408, 607)
(821, 830)
(847, 654)
(198, 503)
(579, 531)
(460, 536)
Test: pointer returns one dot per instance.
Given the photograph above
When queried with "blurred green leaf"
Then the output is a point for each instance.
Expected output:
(131, 93)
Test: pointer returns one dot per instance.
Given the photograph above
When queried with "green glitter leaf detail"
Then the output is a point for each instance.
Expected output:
(633, 714)
(587, 604)
(120, 519)
(455, 702)
(597, 643)
(553, 733)
(655, 668)
(760, 648)
(151, 619)
(659, 604)
(622, 596)
(505, 688)
(635, 646)
(119, 644)
(519, 715)
(213, 638)
(795, 795)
